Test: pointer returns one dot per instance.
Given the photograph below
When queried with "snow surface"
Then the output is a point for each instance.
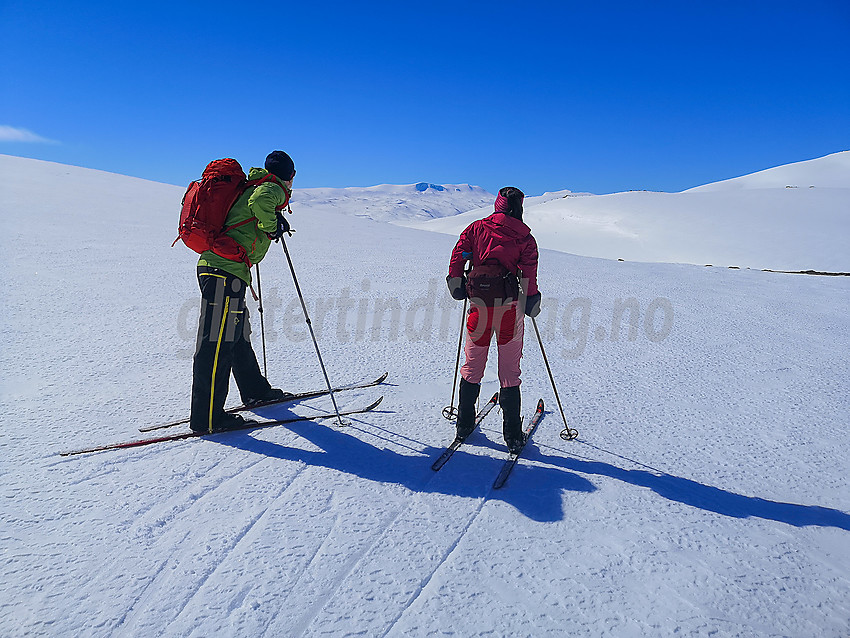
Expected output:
(793, 217)
(707, 494)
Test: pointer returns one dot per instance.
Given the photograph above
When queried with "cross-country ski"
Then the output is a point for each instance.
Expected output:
(298, 396)
(513, 456)
(458, 441)
(249, 425)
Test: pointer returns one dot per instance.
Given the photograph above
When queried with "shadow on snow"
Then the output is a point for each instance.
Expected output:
(706, 497)
(534, 490)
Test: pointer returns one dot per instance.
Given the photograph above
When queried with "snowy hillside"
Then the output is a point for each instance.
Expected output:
(832, 171)
(707, 494)
(794, 217)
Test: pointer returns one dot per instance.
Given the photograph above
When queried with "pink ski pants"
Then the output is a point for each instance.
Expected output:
(509, 327)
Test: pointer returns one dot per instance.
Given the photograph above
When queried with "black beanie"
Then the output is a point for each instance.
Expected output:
(281, 165)
(514, 197)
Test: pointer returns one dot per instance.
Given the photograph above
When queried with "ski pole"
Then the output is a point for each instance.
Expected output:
(262, 323)
(310, 326)
(567, 433)
(450, 411)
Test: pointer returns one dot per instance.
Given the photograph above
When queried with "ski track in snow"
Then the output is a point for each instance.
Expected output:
(445, 558)
(316, 601)
(196, 499)
(368, 568)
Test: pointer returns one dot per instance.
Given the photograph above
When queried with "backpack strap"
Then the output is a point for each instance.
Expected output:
(268, 177)
(227, 229)
(271, 177)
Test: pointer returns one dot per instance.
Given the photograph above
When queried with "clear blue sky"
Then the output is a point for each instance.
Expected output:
(590, 96)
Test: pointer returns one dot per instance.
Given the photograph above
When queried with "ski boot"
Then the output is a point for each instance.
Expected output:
(510, 402)
(468, 395)
(272, 396)
(227, 422)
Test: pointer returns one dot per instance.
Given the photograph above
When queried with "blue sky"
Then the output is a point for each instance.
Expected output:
(597, 97)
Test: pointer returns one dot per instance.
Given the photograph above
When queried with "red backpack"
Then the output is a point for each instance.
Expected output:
(206, 204)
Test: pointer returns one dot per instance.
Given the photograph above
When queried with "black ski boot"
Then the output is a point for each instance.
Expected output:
(468, 395)
(225, 422)
(274, 394)
(510, 402)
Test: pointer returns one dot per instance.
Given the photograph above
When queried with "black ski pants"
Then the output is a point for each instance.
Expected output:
(224, 345)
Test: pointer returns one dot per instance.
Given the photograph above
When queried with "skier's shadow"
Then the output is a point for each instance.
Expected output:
(467, 475)
(707, 497)
(534, 487)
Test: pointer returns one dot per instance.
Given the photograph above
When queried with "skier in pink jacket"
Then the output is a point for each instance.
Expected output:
(500, 247)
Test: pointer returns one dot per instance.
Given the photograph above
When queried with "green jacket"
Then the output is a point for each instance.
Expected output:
(257, 201)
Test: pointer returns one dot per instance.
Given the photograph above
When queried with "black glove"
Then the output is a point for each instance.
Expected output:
(457, 287)
(532, 305)
(282, 227)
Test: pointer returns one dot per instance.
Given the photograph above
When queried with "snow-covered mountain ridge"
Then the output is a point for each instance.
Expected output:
(387, 202)
(384, 202)
(793, 217)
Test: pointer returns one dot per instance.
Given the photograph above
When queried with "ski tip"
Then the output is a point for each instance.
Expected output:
(374, 405)
(540, 405)
(382, 378)
(495, 398)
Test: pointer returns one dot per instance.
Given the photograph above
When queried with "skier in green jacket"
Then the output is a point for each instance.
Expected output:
(224, 342)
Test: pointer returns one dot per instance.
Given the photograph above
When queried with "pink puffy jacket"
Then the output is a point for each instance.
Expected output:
(501, 237)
